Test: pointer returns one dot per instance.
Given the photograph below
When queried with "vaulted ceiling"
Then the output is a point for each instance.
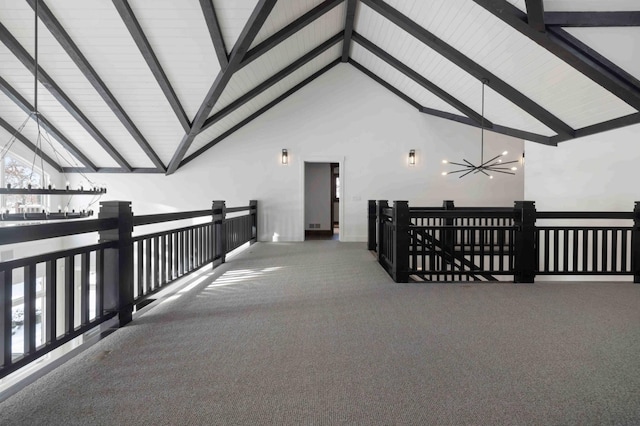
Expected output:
(147, 86)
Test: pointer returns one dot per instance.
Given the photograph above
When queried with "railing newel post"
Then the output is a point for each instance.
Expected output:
(401, 226)
(635, 243)
(525, 242)
(253, 210)
(220, 240)
(118, 263)
(371, 235)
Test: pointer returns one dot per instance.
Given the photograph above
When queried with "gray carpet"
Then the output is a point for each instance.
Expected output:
(317, 333)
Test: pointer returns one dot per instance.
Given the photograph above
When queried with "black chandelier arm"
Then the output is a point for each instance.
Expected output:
(501, 171)
(474, 170)
(45, 191)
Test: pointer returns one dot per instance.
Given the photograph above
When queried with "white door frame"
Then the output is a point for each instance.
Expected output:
(322, 159)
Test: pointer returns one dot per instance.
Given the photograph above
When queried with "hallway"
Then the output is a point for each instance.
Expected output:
(317, 333)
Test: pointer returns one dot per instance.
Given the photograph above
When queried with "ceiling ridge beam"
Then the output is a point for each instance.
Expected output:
(132, 24)
(348, 29)
(535, 15)
(154, 170)
(54, 26)
(248, 34)
(287, 31)
(578, 59)
(26, 142)
(473, 68)
(25, 58)
(418, 78)
(261, 111)
(210, 17)
(25, 106)
(534, 137)
(605, 126)
(382, 82)
(280, 75)
(593, 19)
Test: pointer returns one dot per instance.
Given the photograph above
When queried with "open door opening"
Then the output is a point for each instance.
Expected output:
(322, 201)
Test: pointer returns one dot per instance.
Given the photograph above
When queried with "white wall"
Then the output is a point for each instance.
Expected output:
(342, 117)
(317, 196)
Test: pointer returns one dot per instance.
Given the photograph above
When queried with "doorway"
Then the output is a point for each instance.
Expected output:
(322, 189)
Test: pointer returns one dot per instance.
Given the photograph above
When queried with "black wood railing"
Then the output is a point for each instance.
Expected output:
(49, 299)
(486, 244)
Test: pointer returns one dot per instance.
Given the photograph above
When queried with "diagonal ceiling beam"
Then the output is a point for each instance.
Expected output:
(25, 106)
(56, 29)
(348, 29)
(272, 80)
(535, 15)
(112, 170)
(469, 112)
(261, 111)
(289, 30)
(589, 66)
(23, 56)
(593, 19)
(605, 126)
(473, 68)
(248, 34)
(22, 138)
(142, 42)
(211, 19)
(534, 137)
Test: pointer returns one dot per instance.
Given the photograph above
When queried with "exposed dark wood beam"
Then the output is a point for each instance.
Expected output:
(56, 29)
(261, 111)
(593, 19)
(248, 34)
(111, 170)
(348, 29)
(140, 38)
(388, 86)
(534, 137)
(287, 31)
(589, 66)
(570, 39)
(473, 68)
(272, 80)
(410, 73)
(605, 126)
(26, 142)
(211, 19)
(23, 56)
(535, 15)
(25, 106)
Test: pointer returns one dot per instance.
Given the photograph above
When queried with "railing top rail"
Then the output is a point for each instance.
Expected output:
(238, 209)
(19, 263)
(584, 228)
(584, 215)
(168, 217)
(464, 213)
(22, 234)
(466, 227)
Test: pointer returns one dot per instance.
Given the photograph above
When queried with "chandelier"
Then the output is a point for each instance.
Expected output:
(32, 187)
(495, 164)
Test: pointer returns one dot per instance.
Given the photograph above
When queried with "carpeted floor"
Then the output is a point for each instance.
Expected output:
(317, 333)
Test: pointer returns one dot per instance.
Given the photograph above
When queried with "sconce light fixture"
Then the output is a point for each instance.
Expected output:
(285, 157)
(412, 157)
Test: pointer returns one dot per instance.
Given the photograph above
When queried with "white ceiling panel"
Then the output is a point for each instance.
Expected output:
(100, 34)
(621, 45)
(590, 5)
(525, 65)
(265, 97)
(398, 80)
(282, 55)
(232, 16)
(178, 35)
(283, 13)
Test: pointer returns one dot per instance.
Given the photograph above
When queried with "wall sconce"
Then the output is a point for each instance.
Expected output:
(412, 157)
(285, 157)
